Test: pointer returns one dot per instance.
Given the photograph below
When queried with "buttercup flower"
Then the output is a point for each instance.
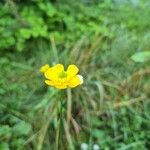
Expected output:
(56, 76)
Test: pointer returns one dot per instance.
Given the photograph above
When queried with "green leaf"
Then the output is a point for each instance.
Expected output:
(98, 134)
(25, 33)
(4, 146)
(21, 128)
(16, 143)
(141, 56)
(5, 132)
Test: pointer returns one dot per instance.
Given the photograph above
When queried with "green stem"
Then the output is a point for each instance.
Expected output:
(59, 118)
(68, 107)
(57, 136)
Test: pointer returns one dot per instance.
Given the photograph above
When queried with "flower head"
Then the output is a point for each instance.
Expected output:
(56, 76)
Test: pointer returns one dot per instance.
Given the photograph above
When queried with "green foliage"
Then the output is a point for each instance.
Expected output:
(43, 20)
(141, 56)
(4, 146)
(5, 132)
(21, 128)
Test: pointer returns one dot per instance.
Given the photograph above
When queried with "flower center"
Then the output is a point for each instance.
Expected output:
(63, 74)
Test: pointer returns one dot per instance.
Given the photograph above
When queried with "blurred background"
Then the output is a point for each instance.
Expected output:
(109, 40)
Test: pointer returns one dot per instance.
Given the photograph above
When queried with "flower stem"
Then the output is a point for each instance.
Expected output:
(69, 96)
(59, 118)
(57, 135)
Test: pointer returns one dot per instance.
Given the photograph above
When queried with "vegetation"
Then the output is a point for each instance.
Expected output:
(108, 40)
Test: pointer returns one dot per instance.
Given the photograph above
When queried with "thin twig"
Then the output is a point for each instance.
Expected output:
(129, 102)
(123, 104)
(68, 136)
(76, 126)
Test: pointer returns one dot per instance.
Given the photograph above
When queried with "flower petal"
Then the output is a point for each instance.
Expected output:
(44, 68)
(72, 70)
(49, 82)
(53, 72)
(80, 78)
(58, 68)
(61, 86)
(74, 82)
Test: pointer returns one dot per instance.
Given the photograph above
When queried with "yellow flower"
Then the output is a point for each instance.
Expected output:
(56, 76)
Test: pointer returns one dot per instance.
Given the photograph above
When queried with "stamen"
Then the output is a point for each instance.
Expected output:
(63, 74)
